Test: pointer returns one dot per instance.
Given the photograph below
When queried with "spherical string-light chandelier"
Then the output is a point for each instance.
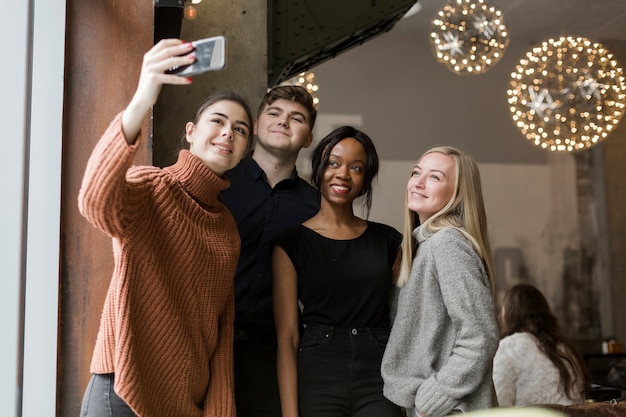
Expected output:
(469, 36)
(567, 94)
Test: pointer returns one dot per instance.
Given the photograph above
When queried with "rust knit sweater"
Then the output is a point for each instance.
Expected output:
(167, 324)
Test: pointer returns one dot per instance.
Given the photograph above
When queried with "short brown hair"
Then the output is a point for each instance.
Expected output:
(293, 93)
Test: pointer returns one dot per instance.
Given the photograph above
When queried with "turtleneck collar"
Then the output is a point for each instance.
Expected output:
(197, 179)
(421, 234)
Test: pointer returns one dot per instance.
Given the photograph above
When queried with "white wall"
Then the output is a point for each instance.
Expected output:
(31, 116)
(410, 102)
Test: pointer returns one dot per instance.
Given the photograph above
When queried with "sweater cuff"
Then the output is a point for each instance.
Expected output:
(431, 401)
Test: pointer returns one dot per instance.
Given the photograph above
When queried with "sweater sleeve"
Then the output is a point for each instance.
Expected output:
(220, 401)
(100, 198)
(468, 300)
(504, 375)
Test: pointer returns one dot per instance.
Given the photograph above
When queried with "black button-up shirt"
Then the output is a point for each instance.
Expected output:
(262, 213)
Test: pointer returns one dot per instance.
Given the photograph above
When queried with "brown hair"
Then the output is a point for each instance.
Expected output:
(525, 309)
(226, 95)
(294, 93)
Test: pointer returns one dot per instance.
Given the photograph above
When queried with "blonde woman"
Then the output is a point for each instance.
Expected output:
(445, 333)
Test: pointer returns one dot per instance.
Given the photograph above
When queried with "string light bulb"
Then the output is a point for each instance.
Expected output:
(190, 12)
(307, 80)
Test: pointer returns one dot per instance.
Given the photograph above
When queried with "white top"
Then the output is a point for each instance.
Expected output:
(524, 375)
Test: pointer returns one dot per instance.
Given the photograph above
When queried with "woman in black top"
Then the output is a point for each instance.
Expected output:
(332, 277)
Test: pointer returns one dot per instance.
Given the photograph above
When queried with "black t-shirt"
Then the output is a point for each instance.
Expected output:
(343, 283)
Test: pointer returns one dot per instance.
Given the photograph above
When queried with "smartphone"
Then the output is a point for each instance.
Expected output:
(210, 56)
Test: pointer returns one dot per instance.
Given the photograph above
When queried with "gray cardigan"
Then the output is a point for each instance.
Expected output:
(444, 335)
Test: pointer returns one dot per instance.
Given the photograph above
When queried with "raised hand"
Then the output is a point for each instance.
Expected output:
(166, 54)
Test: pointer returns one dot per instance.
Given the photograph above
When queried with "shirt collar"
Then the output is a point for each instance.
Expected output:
(258, 174)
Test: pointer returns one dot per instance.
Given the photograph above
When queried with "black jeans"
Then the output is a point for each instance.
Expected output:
(339, 373)
(101, 401)
(256, 383)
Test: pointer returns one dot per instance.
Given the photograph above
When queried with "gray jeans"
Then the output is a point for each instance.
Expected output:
(100, 399)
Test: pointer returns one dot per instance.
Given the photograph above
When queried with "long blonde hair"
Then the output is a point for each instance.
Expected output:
(465, 212)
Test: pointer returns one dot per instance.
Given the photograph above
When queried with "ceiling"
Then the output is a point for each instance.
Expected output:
(538, 20)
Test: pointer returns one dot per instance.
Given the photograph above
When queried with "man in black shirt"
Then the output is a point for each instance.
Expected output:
(266, 197)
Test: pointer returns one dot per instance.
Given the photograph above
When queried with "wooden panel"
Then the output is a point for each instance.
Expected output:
(105, 42)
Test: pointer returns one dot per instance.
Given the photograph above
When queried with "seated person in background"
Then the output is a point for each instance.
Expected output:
(535, 363)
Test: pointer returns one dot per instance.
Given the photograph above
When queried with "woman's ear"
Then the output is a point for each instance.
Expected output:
(190, 128)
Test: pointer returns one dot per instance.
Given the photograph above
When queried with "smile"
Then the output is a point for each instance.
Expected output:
(340, 188)
(223, 148)
(279, 132)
